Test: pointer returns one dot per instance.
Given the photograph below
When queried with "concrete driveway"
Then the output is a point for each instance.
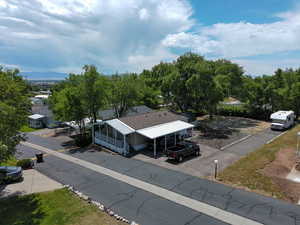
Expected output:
(204, 165)
(33, 182)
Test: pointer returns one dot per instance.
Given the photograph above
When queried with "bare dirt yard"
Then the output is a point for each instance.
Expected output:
(265, 170)
(278, 171)
(221, 131)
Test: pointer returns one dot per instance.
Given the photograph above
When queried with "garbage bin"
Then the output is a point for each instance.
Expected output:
(39, 157)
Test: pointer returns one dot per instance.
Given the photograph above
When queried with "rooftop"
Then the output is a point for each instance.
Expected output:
(281, 115)
(150, 119)
(110, 113)
(36, 116)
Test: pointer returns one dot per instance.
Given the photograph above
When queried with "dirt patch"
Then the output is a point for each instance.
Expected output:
(279, 169)
(221, 131)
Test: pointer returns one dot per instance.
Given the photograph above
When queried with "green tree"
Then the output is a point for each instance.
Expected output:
(14, 109)
(124, 92)
(69, 106)
(94, 91)
(205, 92)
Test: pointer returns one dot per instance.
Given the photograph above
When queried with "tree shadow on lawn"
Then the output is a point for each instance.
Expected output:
(21, 210)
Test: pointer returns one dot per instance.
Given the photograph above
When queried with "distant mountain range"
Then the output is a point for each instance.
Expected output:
(44, 75)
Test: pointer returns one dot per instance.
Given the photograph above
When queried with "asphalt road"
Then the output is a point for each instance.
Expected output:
(147, 208)
(124, 199)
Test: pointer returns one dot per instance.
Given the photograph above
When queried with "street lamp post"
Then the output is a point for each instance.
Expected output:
(298, 150)
(216, 168)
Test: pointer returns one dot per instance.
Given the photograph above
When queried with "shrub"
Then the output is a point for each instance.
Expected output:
(25, 163)
(243, 111)
(83, 140)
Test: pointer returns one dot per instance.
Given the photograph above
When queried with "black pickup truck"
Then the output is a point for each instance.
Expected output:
(182, 150)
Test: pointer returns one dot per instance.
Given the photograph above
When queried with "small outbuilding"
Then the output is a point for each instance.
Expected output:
(37, 121)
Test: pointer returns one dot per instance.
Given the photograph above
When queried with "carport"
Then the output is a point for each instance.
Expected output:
(163, 130)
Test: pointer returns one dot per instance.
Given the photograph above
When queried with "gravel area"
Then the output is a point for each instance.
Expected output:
(222, 131)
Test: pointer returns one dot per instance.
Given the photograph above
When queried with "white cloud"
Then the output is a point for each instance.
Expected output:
(112, 34)
(267, 66)
(130, 35)
(233, 40)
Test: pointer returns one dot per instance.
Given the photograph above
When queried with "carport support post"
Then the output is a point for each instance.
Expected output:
(155, 148)
(93, 134)
(106, 133)
(165, 143)
(175, 138)
(124, 140)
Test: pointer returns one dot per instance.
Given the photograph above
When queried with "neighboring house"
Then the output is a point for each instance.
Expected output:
(36, 101)
(109, 114)
(44, 110)
(37, 121)
(136, 132)
(42, 96)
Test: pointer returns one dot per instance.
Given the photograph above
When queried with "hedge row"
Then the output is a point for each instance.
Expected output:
(243, 111)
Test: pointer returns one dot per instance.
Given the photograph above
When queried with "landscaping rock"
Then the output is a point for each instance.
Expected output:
(71, 188)
(84, 197)
(102, 208)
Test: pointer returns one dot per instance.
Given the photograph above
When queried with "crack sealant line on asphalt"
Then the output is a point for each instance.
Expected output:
(198, 206)
(268, 142)
(236, 142)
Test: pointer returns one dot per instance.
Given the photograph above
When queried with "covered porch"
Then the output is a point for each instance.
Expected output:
(112, 134)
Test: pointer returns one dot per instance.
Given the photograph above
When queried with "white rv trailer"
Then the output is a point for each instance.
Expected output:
(282, 120)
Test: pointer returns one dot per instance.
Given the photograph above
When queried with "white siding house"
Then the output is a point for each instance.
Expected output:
(136, 132)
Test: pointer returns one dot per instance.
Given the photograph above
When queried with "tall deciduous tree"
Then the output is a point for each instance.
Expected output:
(14, 109)
(124, 92)
(94, 91)
(68, 105)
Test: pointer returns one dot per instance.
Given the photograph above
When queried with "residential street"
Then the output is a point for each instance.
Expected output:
(148, 208)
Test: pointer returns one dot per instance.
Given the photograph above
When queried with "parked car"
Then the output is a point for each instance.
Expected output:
(182, 150)
(10, 174)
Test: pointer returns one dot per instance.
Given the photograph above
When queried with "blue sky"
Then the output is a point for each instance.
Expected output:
(131, 35)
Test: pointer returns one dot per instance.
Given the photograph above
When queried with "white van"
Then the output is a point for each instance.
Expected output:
(282, 120)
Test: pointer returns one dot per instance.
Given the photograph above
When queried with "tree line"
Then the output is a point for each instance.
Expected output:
(190, 83)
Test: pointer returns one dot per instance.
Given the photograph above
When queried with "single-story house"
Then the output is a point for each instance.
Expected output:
(137, 132)
(109, 114)
(44, 110)
(37, 121)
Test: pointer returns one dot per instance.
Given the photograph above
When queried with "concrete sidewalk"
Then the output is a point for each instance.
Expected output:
(33, 182)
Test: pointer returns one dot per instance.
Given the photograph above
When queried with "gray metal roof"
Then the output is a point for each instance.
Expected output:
(110, 113)
(36, 116)
(120, 126)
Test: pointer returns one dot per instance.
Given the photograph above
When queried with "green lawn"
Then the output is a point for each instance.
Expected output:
(246, 171)
(12, 161)
(26, 128)
(58, 207)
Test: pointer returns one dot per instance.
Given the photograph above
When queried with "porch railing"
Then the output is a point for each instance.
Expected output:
(112, 141)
